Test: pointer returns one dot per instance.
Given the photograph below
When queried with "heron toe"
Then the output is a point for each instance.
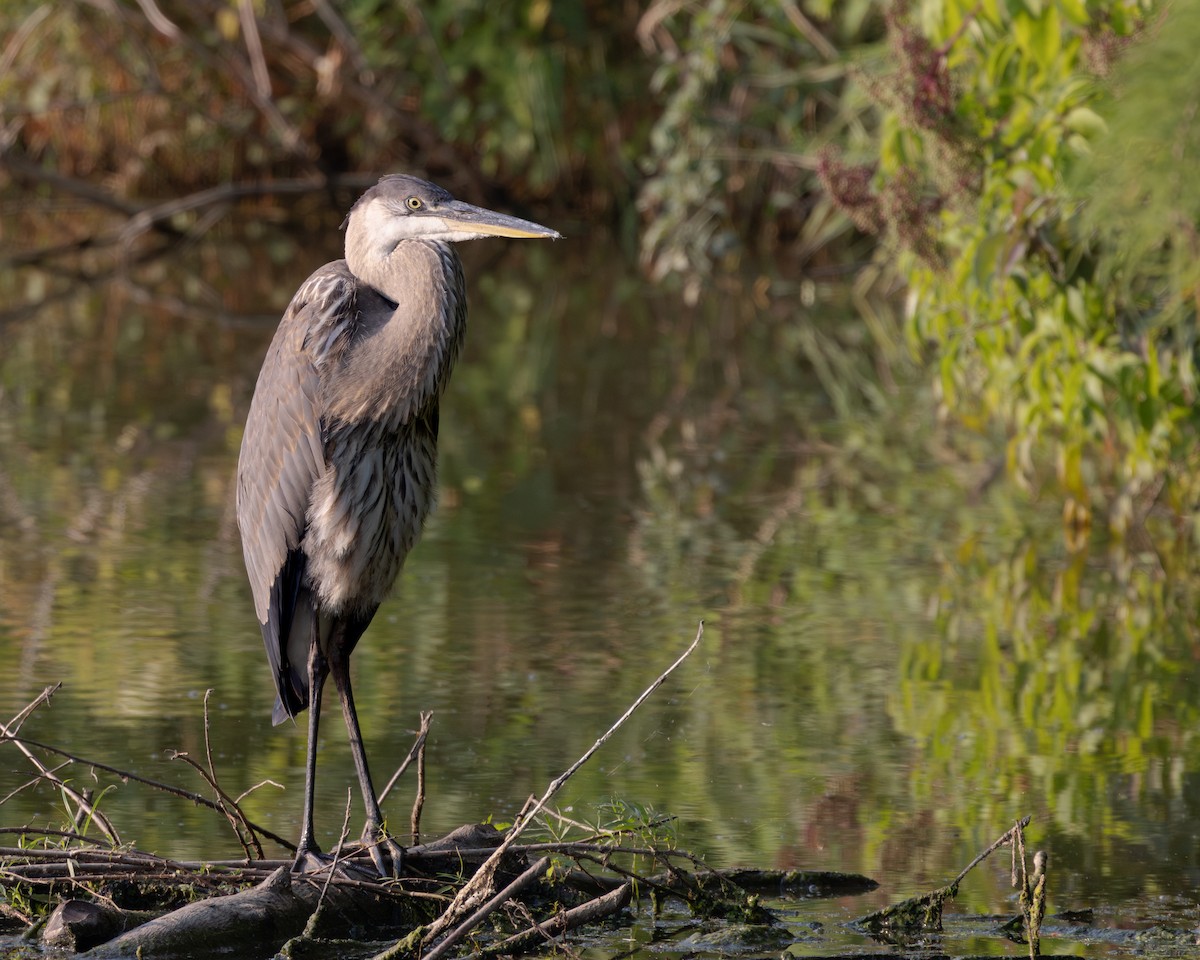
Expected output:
(314, 862)
(386, 854)
(311, 861)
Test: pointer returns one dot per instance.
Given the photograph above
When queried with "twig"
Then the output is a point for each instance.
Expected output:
(419, 799)
(345, 36)
(254, 48)
(10, 911)
(14, 724)
(142, 219)
(809, 31)
(522, 881)
(30, 783)
(158, 20)
(426, 718)
(136, 778)
(1016, 831)
(925, 912)
(79, 188)
(44, 832)
(149, 217)
(258, 786)
(1032, 888)
(6, 730)
(597, 909)
(310, 928)
(20, 35)
(220, 804)
(240, 823)
(473, 888)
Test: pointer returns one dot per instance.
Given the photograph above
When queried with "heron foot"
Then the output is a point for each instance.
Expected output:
(311, 860)
(386, 853)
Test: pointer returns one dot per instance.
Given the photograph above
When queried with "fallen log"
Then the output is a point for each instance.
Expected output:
(79, 925)
(259, 921)
(807, 884)
(263, 918)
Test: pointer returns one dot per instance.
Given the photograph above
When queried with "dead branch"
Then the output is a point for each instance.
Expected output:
(413, 751)
(1017, 833)
(419, 799)
(136, 778)
(519, 884)
(141, 219)
(257, 920)
(85, 808)
(925, 912)
(594, 910)
(225, 193)
(472, 890)
(13, 725)
(272, 906)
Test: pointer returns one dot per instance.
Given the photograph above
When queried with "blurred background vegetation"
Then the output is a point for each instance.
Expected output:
(1000, 161)
(905, 369)
(1003, 164)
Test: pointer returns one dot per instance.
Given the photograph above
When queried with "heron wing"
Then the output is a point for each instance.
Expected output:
(282, 456)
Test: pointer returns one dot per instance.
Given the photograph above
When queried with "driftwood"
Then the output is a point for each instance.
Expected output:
(261, 919)
(254, 922)
(78, 925)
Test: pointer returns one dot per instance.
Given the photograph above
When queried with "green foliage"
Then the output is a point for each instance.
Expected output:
(1142, 203)
(619, 817)
(1049, 305)
(1028, 663)
(749, 93)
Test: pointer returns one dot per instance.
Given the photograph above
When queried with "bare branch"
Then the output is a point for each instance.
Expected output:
(158, 20)
(76, 796)
(597, 909)
(254, 48)
(419, 799)
(522, 881)
(426, 719)
(472, 890)
(156, 784)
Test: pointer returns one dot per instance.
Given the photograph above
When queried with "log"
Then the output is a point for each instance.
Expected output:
(771, 883)
(79, 925)
(797, 883)
(259, 921)
(470, 845)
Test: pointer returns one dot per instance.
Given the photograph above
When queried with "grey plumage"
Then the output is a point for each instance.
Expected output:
(338, 465)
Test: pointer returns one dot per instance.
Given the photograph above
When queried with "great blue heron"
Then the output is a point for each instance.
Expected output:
(338, 463)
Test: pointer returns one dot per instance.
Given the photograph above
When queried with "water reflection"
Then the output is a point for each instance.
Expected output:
(899, 660)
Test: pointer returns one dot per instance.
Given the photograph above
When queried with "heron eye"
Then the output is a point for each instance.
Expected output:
(414, 203)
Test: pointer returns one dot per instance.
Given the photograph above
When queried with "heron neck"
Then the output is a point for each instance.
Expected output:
(403, 349)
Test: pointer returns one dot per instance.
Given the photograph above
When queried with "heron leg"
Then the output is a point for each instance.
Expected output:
(385, 852)
(308, 854)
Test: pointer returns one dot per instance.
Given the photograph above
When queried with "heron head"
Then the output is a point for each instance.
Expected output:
(400, 207)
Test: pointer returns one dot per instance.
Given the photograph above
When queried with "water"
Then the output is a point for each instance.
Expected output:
(895, 667)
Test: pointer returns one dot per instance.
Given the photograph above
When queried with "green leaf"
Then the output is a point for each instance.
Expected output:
(1087, 122)
(1076, 12)
(987, 259)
